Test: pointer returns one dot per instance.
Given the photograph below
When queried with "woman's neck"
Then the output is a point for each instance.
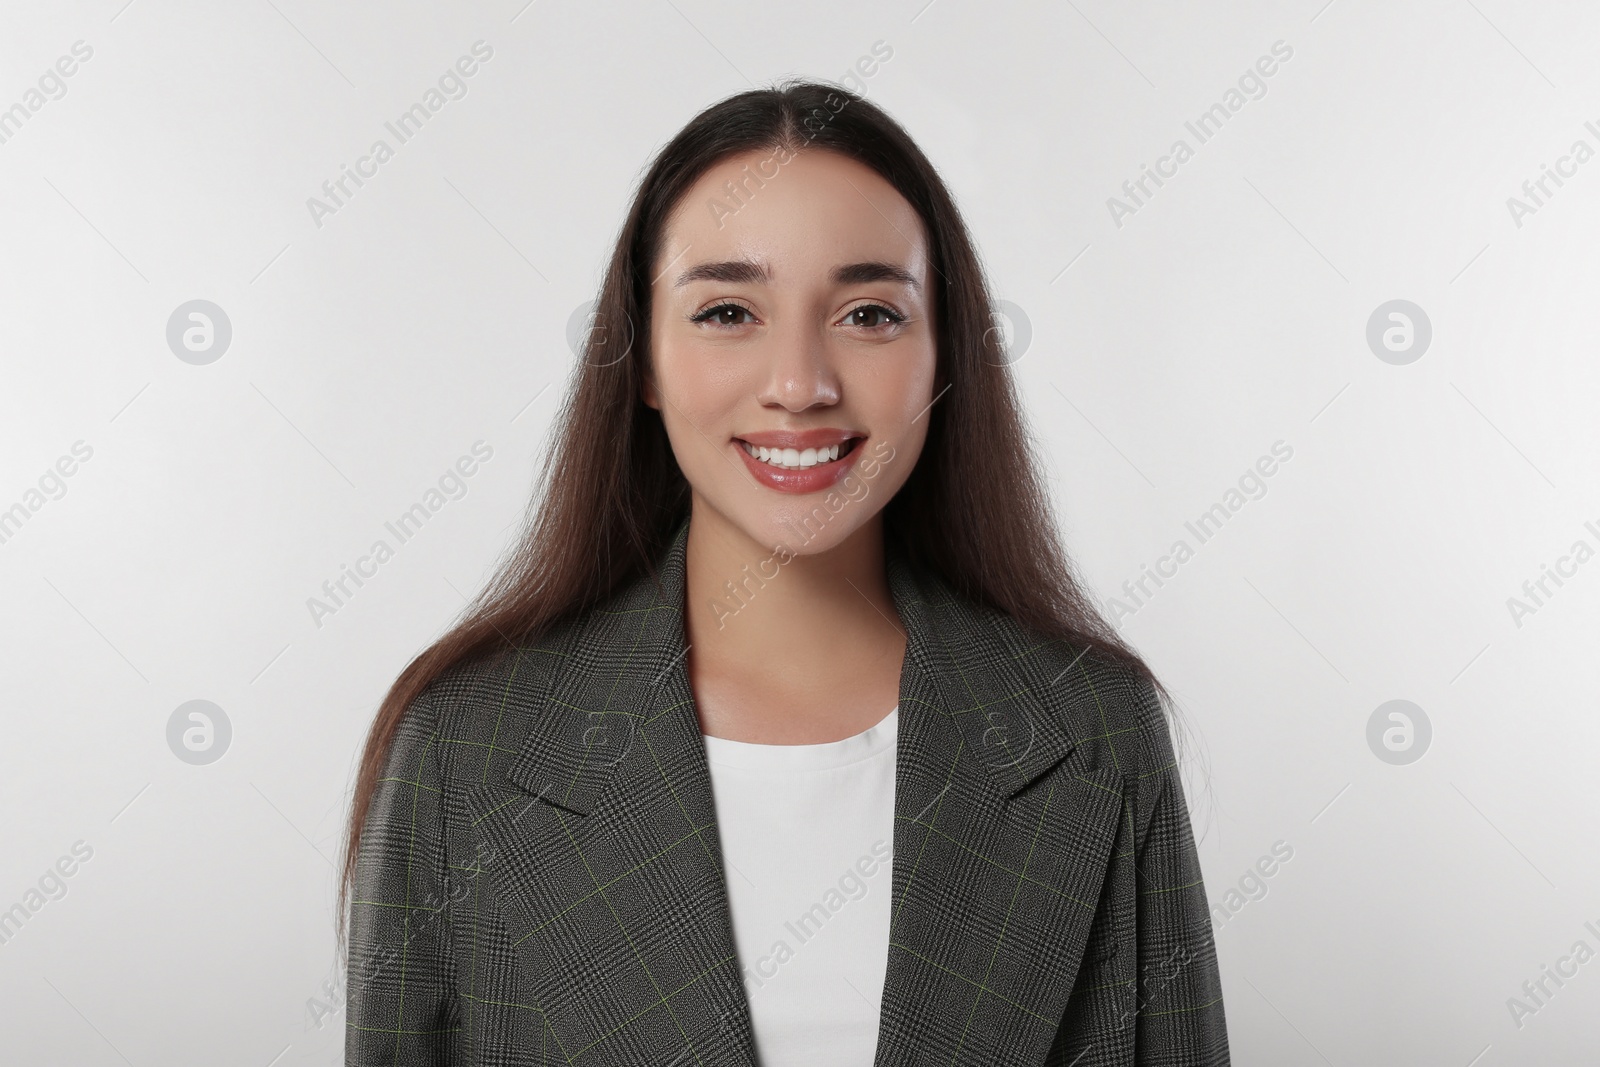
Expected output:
(785, 648)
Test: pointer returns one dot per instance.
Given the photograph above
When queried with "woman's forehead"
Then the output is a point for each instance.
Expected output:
(805, 218)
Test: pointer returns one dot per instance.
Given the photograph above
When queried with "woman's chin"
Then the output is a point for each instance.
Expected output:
(798, 531)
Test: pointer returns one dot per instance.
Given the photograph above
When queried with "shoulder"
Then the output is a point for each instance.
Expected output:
(1108, 707)
(1116, 719)
(478, 711)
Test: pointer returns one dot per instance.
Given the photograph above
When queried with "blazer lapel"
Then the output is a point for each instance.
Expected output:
(995, 883)
(605, 862)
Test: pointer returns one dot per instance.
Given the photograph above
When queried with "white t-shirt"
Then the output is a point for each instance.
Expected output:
(807, 833)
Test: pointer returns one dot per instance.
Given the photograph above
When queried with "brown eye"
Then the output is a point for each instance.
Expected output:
(872, 317)
(722, 315)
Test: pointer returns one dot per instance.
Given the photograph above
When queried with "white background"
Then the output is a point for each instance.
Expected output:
(1167, 355)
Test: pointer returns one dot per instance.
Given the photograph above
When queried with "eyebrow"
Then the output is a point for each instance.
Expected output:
(753, 272)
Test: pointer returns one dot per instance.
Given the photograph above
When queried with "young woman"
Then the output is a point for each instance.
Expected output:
(786, 736)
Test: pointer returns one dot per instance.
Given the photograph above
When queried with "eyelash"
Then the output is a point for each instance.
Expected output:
(894, 317)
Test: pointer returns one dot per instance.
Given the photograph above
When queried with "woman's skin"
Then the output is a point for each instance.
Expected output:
(813, 653)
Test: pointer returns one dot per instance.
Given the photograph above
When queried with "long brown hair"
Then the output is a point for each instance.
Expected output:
(974, 509)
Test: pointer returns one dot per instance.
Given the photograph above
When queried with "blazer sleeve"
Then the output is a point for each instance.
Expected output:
(401, 1008)
(1178, 1006)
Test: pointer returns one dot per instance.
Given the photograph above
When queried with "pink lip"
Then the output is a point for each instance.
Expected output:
(810, 480)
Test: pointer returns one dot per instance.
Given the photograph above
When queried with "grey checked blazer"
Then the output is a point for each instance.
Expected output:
(540, 879)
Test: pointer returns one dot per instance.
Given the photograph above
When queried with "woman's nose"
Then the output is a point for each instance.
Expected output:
(800, 373)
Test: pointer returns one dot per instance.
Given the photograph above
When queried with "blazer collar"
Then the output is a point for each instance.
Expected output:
(616, 897)
(573, 763)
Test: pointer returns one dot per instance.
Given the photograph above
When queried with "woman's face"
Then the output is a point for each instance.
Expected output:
(792, 343)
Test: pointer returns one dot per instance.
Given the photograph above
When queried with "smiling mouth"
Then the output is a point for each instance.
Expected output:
(797, 459)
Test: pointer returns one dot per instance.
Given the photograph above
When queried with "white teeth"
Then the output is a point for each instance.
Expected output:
(792, 458)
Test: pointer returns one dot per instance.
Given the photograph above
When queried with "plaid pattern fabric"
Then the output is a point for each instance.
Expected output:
(540, 879)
